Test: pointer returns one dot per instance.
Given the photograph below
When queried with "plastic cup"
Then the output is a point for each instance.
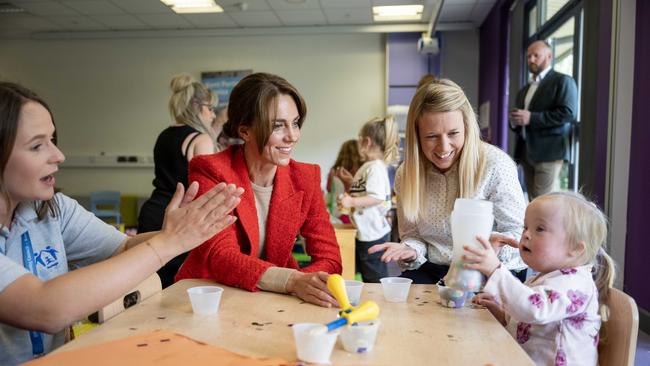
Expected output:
(313, 342)
(353, 289)
(205, 299)
(360, 338)
(396, 289)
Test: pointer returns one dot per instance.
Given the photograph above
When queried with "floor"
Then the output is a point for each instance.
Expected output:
(642, 350)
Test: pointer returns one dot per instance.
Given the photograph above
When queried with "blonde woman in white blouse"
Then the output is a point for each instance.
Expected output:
(445, 159)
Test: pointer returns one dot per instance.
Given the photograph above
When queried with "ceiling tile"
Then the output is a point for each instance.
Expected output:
(456, 13)
(295, 5)
(234, 5)
(210, 20)
(334, 4)
(77, 23)
(302, 17)
(93, 7)
(348, 16)
(120, 22)
(256, 19)
(165, 21)
(143, 6)
(47, 8)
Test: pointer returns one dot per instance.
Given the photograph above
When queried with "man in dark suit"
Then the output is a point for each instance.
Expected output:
(546, 109)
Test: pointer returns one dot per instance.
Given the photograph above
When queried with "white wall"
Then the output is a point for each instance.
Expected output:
(460, 55)
(110, 95)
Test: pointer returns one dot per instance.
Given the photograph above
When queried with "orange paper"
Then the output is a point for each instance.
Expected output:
(158, 348)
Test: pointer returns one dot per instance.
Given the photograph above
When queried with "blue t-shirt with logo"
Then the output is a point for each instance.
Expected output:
(73, 239)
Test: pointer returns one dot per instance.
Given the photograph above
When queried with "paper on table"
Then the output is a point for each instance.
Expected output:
(160, 348)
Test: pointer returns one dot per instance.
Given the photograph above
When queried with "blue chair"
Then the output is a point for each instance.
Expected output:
(106, 205)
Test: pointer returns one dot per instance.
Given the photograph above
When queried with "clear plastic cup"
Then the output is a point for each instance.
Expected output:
(205, 299)
(353, 289)
(396, 289)
(313, 342)
(360, 338)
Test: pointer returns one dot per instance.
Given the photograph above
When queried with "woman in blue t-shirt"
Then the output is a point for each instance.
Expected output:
(43, 234)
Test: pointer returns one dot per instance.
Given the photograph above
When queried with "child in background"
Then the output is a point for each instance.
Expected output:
(555, 315)
(340, 177)
(369, 194)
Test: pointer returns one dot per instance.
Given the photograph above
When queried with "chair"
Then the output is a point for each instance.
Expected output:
(619, 334)
(106, 205)
(145, 289)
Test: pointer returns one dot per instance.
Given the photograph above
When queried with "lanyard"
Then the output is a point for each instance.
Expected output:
(30, 264)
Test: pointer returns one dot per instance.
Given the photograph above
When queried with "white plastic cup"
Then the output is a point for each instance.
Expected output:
(396, 289)
(313, 342)
(353, 289)
(205, 299)
(360, 338)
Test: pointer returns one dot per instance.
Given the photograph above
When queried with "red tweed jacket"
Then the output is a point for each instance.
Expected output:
(296, 207)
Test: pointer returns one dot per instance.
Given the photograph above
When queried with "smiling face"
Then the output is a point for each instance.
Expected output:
(29, 173)
(285, 133)
(441, 136)
(544, 244)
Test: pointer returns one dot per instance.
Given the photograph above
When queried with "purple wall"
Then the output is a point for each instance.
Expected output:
(493, 71)
(406, 66)
(637, 250)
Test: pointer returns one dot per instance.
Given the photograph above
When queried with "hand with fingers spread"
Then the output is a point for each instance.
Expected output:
(311, 287)
(489, 302)
(394, 252)
(483, 259)
(189, 222)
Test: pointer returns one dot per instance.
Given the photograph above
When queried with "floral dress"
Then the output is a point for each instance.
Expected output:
(554, 317)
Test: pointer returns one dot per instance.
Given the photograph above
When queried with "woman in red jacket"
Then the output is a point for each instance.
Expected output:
(282, 198)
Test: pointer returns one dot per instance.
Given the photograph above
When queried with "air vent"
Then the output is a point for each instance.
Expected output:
(8, 8)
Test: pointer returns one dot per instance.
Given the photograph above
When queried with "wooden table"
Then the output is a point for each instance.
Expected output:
(419, 332)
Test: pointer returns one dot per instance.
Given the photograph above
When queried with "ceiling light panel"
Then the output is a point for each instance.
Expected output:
(394, 13)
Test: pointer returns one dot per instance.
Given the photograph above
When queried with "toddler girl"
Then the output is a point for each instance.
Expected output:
(369, 194)
(554, 315)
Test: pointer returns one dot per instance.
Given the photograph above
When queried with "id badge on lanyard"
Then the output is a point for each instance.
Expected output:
(30, 264)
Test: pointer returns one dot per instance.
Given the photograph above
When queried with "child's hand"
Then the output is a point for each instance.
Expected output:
(345, 201)
(498, 241)
(490, 303)
(482, 259)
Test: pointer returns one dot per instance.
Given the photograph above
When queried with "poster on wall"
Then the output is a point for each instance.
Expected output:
(222, 83)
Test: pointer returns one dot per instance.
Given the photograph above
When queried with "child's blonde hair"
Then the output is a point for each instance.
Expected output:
(585, 222)
(383, 133)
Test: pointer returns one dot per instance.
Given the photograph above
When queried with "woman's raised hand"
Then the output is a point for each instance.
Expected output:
(394, 252)
(189, 222)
